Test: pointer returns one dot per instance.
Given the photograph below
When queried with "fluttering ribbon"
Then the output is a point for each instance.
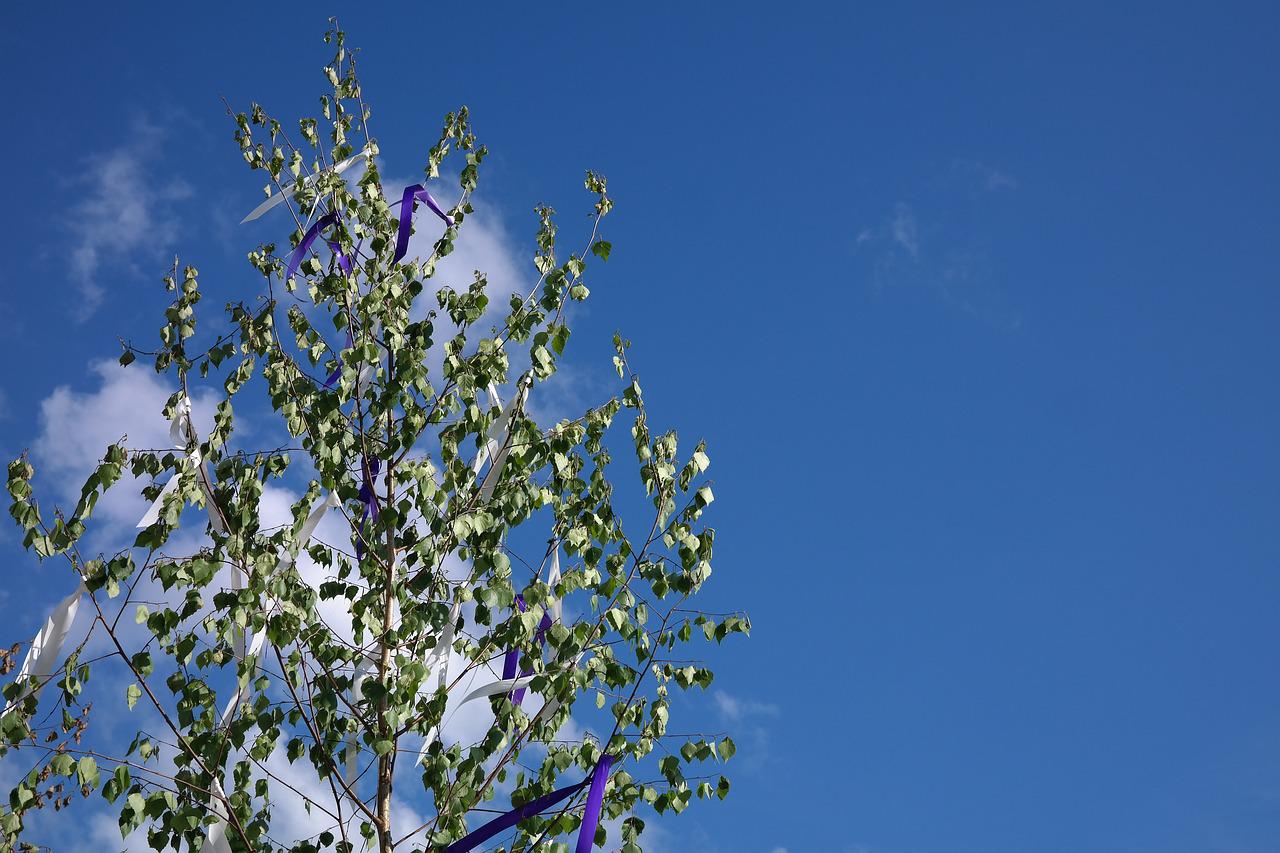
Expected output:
(556, 607)
(438, 662)
(590, 813)
(500, 435)
(309, 238)
(215, 840)
(369, 470)
(351, 753)
(490, 446)
(308, 529)
(512, 659)
(288, 191)
(412, 194)
(46, 646)
(183, 434)
(216, 836)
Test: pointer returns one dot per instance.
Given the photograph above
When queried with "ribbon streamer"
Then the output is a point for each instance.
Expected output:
(216, 837)
(288, 192)
(413, 194)
(304, 245)
(439, 657)
(369, 498)
(590, 815)
(595, 801)
(512, 659)
(308, 529)
(500, 434)
(46, 646)
(183, 434)
(351, 753)
(490, 446)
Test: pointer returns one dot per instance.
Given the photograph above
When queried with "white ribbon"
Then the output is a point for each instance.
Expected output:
(490, 446)
(438, 662)
(47, 644)
(352, 754)
(331, 501)
(553, 578)
(500, 436)
(216, 839)
(502, 685)
(182, 433)
(288, 191)
(238, 579)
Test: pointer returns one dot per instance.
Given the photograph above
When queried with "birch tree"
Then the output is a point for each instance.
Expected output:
(482, 551)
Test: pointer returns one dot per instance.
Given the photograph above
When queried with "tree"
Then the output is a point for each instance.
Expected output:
(347, 656)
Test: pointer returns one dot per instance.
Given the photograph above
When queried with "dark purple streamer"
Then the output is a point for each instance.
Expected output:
(369, 470)
(595, 800)
(413, 194)
(590, 817)
(512, 659)
(337, 371)
(518, 696)
(309, 238)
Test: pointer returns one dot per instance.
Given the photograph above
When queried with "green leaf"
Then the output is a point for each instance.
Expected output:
(87, 771)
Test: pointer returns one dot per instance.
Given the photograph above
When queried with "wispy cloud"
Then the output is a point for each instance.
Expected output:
(734, 709)
(984, 177)
(125, 209)
(903, 229)
(939, 241)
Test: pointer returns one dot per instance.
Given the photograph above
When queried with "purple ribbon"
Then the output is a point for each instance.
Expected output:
(590, 815)
(344, 263)
(512, 659)
(518, 696)
(413, 194)
(351, 342)
(595, 800)
(368, 498)
(309, 238)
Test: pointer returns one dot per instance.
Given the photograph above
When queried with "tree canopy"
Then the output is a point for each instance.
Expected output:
(484, 560)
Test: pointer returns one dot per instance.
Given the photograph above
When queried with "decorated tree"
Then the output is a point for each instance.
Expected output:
(483, 561)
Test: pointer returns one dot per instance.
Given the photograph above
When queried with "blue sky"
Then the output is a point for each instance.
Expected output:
(976, 310)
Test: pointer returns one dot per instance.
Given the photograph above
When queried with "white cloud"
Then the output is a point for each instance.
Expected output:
(983, 176)
(903, 229)
(124, 208)
(954, 262)
(77, 426)
(735, 709)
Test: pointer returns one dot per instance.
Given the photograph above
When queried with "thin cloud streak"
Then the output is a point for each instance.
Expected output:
(124, 210)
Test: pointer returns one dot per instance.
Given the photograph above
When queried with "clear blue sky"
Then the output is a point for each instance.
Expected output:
(985, 307)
